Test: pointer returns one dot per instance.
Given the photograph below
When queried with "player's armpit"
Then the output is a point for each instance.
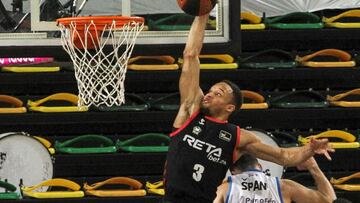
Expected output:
(250, 143)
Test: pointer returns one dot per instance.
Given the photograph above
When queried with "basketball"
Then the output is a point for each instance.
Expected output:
(197, 7)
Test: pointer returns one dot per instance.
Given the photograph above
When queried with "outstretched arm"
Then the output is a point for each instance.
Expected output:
(298, 193)
(282, 156)
(190, 92)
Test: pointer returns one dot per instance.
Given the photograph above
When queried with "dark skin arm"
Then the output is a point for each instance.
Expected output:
(190, 92)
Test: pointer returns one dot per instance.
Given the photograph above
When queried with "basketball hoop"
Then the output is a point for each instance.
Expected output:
(100, 76)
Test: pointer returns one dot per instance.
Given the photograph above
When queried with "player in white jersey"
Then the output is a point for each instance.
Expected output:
(255, 187)
(249, 184)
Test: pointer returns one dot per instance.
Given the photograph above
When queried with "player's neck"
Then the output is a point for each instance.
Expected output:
(219, 118)
(255, 169)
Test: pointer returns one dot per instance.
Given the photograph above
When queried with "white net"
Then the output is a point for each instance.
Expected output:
(100, 76)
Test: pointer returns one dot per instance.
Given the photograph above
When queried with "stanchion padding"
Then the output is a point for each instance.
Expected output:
(299, 99)
(131, 145)
(136, 188)
(72, 189)
(106, 145)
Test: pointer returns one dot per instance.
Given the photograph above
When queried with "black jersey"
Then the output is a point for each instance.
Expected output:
(200, 153)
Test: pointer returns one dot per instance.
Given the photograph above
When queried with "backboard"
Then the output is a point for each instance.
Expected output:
(32, 22)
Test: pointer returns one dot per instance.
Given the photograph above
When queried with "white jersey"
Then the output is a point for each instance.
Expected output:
(253, 187)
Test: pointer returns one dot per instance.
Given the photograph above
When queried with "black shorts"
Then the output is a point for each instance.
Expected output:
(174, 196)
(184, 200)
(165, 201)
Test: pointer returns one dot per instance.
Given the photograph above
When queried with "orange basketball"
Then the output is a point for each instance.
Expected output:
(196, 7)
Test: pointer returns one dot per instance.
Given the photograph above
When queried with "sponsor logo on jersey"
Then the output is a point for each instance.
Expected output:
(256, 200)
(202, 121)
(196, 130)
(226, 136)
(213, 152)
(253, 186)
(267, 172)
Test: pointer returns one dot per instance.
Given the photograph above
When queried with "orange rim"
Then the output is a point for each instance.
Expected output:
(92, 26)
(99, 21)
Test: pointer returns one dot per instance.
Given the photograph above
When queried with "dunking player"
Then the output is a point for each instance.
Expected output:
(203, 144)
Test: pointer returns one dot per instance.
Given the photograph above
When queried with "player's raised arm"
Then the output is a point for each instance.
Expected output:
(282, 156)
(190, 92)
(298, 193)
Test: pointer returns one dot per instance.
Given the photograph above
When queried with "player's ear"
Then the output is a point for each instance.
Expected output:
(230, 108)
(259, 166)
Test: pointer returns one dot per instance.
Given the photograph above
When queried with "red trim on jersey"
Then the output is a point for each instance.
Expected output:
(185, 124)
(164, 173)
(215, 119)
(237, 143)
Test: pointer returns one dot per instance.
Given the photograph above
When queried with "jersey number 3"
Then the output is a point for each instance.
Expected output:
(198, 171)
